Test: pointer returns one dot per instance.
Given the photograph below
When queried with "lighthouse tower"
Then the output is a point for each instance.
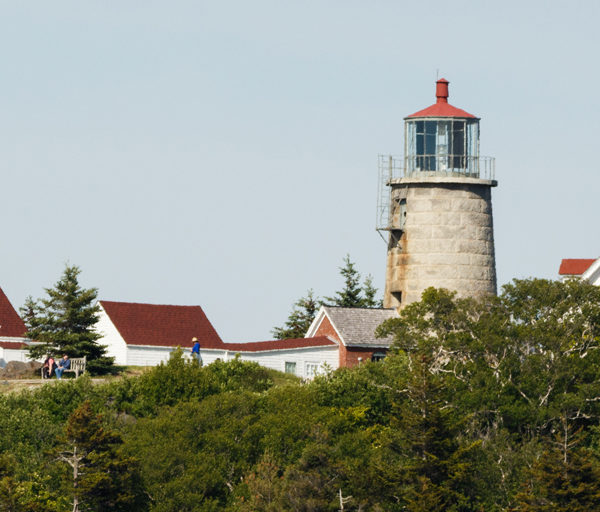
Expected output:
(436, 206)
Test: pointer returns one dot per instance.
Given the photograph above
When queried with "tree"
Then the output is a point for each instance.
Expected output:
(518, 367)
(526, 359)
(565, 478)
(311, 484)
(300, 318)
(264, 487)
(423, 459)
(63, 323)
(102, 478)
(370, 292)
(353, 295)
(9, 488)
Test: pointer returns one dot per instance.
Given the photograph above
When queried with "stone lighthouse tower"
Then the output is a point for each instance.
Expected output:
(435, 203)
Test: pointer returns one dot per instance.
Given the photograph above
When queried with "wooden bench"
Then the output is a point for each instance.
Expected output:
(77, 366)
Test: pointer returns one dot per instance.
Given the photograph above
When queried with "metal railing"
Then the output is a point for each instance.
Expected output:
(427, 166)
(413, 166)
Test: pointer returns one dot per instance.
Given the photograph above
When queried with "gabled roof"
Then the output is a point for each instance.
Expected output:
(11, 324)
(574, 266)
(355, 326)
(161, 325)
(291, 343)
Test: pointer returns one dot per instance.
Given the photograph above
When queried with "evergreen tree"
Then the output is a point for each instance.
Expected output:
(102, 478)
(300, 318)
(424, 460)
(370, 292)
(63, 323)
(9, 488)
(353, 295)
(564, 478)
(264, 487)
(312, 483)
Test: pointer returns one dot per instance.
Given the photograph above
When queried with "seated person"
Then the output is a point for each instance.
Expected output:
(48, 368)
(63, 364)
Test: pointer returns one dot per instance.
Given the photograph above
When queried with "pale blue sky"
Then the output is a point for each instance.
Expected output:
(223, 153)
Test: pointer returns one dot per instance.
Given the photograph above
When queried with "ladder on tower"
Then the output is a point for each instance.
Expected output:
(389, 167)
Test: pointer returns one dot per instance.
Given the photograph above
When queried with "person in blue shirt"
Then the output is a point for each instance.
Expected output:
(63, 364)
(196, 350)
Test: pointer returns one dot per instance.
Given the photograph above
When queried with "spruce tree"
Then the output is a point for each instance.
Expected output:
(63, 323)
(102, 478)
(370, 292)
(300, 318)
(561, 481)
(351, 295)
(423, 461)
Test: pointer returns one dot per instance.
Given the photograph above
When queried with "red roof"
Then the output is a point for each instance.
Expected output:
(162, 325)
(259, 346)
(442, 108)
(11, 324)
(12, 345)
(574, 266)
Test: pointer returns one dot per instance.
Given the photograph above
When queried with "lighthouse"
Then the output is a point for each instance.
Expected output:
(435, 207)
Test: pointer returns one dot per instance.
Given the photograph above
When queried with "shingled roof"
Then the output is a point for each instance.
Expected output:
(355, 326)
(11, 325)
(161, 325)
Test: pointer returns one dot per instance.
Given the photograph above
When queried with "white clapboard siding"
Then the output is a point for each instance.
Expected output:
(21, 355)
(111, 338)
(140, 355)
(309, 360)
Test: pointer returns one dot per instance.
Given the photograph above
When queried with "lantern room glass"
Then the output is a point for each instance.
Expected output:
(447, 146)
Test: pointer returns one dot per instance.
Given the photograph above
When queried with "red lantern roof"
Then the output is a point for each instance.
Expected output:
(441, 108)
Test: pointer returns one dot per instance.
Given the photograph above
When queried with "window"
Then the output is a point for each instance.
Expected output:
(396, 299)
(312, 369)
(442, 145)
(378, 356)
(290, 367)
(402, 214)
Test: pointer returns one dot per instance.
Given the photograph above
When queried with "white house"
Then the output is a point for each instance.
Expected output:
(304, 357)
(586, 269)
(144, 335)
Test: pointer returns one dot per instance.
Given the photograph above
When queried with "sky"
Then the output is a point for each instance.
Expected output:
(224, 153)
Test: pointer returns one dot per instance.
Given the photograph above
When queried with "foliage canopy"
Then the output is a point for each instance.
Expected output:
(490, 404)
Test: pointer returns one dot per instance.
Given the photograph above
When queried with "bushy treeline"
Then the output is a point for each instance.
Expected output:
(485, 405)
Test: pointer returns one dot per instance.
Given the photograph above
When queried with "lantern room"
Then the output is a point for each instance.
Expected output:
(441, 140)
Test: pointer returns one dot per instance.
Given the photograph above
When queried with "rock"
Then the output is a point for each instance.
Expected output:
(20, 370)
